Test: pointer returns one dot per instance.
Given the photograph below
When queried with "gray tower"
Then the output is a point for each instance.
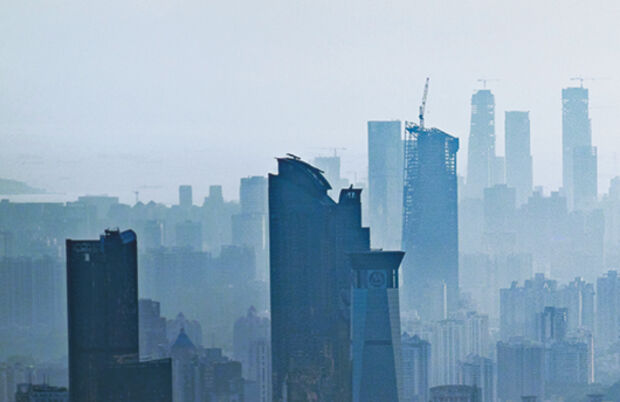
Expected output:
(481, 160)
(518, 157)
(576, 139)
(385, 180)
(375, 327)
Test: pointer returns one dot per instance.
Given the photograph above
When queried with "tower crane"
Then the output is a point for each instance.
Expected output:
(423, 104)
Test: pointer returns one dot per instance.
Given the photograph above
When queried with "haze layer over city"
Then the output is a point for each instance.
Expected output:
(309, 201)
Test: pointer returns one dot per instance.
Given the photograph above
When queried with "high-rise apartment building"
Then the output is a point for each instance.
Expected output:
(385, 182)
(430, 223)
(608, 310)
(520, 370)
(185, 196)
(518, 157)
(481, 158)
(311, 236)
(416, 368)
(477, 371)
(375, 327)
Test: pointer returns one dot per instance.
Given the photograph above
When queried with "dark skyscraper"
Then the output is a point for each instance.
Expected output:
(102, 300)
(576, 134)
(385, 181)
(518, 157)
(102, 291)
(430, 223)
(310, 238)
(481, 159)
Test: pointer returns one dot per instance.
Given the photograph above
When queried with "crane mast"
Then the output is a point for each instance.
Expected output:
(423, 105)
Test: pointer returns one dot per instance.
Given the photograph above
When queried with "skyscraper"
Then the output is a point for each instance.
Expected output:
(375, 327)
(576, 133)
(385, 181)
(518, 157)
(481, 159)
(430, 223)
(310, 237)
(102, 290)
(608, 308)
(102, 302)
(585, 173)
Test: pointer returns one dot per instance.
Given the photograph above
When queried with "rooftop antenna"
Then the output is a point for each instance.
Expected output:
(582, 79)
(293, 156)
(423, 104)
(485, 80)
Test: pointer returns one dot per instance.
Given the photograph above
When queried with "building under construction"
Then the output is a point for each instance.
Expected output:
(430, 221)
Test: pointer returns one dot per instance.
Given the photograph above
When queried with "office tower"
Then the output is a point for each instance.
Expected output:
(585, 174)
(481, 160)
(454, 393)
(476, 334)
(41, 393)
(552, 324)
(185, 196)
(416, 368)
(310, 237)
(375, 327)
(102, 302)
(251, 345)
(576, 133)
(477, 371)
(430, 223)
(385, 182)
(520, 369)
(249, 227)
(500, 223)
(518, 157)
(102, 290)
(608, 310)
(152, 330)
(184, 355)
(188, 234)
(152, 235)
(330, 165)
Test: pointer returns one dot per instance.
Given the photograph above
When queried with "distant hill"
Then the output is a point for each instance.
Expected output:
(14, 187)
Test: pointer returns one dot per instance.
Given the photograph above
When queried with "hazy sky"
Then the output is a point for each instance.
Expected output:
(113, 96)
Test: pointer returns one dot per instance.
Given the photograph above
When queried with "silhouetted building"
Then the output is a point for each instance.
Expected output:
(416, 368)
(152, 329)
(552, 324)
(188, 234)
(310, 237)
(518, 156)
(608, 310)
(430, 223)
(140, 381)
(520, 369)
(375, 327)
(481, 159)
(252, 347)
(576, 134)
(385, 183)
(185, 196)
(41, 393)
(454, 393)
(585, 175)
(477, 371)
(102, 301)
